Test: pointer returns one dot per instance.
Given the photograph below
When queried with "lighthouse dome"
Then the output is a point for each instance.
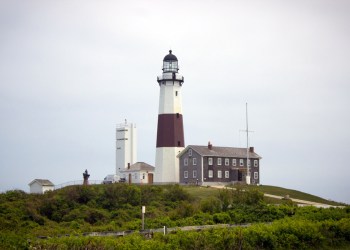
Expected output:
(170, 63)
(170, 57)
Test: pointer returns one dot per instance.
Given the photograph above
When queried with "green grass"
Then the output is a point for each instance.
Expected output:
(293, 194)
(201, 192)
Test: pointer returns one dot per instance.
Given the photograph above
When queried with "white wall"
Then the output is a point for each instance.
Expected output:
(169, 102)
(37, 188)
(167, 165)
(137, 177)
(126, 146)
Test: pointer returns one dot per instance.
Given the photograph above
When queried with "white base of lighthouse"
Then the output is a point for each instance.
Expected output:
(167, 165)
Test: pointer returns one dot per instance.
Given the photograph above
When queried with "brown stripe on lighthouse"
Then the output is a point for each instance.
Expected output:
(170, 132)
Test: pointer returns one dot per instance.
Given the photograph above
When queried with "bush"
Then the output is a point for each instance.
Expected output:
(221, 218)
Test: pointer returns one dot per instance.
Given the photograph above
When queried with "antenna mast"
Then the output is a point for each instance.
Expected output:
(248, 169)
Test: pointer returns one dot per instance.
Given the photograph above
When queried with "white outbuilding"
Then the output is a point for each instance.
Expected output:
(140, 173)
(40, 186)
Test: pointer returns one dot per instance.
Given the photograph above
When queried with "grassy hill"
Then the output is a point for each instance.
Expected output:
(204, 192)
(78, 209)
(294, 194)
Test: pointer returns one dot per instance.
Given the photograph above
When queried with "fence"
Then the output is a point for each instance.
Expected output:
(75, 183)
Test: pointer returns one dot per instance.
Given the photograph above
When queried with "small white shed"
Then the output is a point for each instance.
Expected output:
(40, 186)
(139, 172)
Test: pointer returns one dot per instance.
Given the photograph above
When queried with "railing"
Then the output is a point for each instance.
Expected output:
(170, 76)
(150, 232)
(75, 183)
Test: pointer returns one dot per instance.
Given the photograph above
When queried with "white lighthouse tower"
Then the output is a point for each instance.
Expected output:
(170, 132)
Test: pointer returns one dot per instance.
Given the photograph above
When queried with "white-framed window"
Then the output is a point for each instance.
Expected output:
(143, 176)
(219, 174)
(210, 174)
(185, 174)
(234, 162)
(194, 161)
(248, 162)
(256, 175)
(227, 174)
(241, 162)
(255, 163)
(194, 173)
(190, 152)
(219, 161)
(227, 161)
(185, 161)
(210, 161)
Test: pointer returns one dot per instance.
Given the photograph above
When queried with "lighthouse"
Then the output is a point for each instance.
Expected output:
(170, 132)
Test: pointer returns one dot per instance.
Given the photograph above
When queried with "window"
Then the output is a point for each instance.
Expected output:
(194, 173)
(194, 161)
(210, 161)
(241, 162)
(255, 163)
(186, 161)
(248, 162)
(185, 174)
(190, 152)
(227, 161)
(227, 174)
(234, 162)
(256, 175)
(210, 174)
(219, 174)
(175, 93)
(143, 176)
(219, 161)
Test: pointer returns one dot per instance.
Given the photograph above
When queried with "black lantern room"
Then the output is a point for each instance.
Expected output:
(170, 63)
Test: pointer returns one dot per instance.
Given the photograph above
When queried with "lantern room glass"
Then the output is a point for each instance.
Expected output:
(170, 66)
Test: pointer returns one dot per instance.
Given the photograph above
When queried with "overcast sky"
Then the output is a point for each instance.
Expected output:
(71, 70)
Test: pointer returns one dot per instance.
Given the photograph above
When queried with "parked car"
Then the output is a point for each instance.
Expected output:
(111, 178)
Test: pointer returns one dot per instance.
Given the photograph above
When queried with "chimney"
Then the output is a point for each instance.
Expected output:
(210, 146)
(251, 149)
(128, 165)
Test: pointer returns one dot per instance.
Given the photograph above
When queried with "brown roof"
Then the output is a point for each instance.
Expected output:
(42, 182)
(221, 151)
(139, 166)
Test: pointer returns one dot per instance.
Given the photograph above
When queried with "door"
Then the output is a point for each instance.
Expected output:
(130, 177)
(240, 177)
(150, 178)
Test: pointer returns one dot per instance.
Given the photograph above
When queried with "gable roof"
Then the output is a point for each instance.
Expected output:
(139, 166)
(42, 182)
(221, 151)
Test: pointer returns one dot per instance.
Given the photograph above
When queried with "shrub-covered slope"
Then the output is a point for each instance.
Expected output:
(78, 209)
